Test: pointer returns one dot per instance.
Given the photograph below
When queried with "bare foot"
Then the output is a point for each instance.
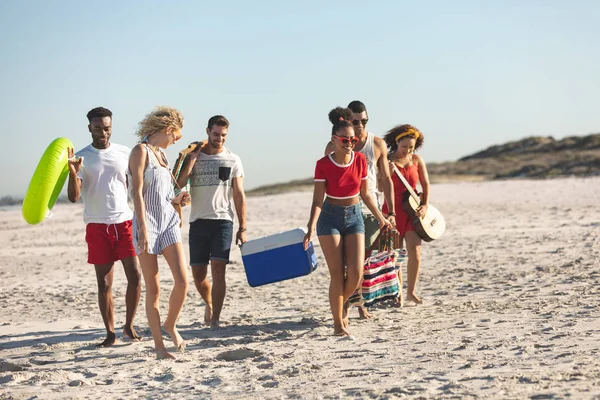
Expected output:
(109, 341)
(398, 301)
(414, 298)
(163, 354)
(345, 318)
(340, 331)
(207, 313)
(176, 338)
(130, 332)
(215, 324)
(363, 313)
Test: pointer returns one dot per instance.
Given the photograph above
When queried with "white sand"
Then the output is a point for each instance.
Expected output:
(511, 311)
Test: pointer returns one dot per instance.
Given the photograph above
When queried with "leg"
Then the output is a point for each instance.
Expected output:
(174, 256)
(331, 246)
(200, 239)
(398, 243)
(132, 297)
(413, 247)
(149, 263)
(203, 286)
(104, 277)
(355, 255)
(371, 234)
(217, 269)
(220, 246)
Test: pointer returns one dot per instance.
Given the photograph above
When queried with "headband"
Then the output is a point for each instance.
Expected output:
(409, 132)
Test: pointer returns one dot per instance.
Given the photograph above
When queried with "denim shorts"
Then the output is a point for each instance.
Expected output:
(340, 220)
(210, 239)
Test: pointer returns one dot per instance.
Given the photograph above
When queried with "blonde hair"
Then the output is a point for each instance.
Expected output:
(162, 117)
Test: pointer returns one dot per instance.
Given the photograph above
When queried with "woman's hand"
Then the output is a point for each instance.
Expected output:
(384, 223)
(142, 243)
(307, 238)
(421, 210)
(183, 198)
(392, 220)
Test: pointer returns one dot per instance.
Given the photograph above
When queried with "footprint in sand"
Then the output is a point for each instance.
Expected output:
(238, 354)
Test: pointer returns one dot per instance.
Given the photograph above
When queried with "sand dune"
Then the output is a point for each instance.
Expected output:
(511, 311)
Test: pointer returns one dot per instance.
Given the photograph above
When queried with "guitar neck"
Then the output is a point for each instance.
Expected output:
(406, 185)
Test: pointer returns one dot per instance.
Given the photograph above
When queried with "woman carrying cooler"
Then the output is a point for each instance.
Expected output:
(340, 177)
(156, 222)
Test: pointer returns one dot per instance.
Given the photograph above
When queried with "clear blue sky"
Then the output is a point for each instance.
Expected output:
(469, 74)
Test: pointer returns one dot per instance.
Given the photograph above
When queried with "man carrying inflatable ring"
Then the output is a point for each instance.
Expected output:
(98, 173)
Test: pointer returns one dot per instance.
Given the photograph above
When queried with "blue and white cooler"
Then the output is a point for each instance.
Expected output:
(278, 257)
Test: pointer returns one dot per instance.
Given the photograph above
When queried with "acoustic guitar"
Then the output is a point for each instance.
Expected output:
(182, 154)
(432, 225)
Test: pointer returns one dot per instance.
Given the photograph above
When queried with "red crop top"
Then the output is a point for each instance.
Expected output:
(342, 181)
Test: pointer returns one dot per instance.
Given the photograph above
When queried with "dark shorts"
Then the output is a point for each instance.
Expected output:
(340, 220)
(108, 243)
(371, 230)
(210, 239)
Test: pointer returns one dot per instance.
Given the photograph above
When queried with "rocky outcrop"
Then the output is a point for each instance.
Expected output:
(533, 157)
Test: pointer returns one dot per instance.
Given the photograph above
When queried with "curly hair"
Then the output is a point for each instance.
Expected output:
(162, 117)
(408, 131)
(340, 118)
(98, 112)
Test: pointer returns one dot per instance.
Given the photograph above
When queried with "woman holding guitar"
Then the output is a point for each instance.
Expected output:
(402, 141)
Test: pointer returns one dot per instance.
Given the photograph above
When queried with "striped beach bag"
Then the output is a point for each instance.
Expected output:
(381, 280)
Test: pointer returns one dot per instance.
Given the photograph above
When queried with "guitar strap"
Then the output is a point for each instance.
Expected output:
(404, 181)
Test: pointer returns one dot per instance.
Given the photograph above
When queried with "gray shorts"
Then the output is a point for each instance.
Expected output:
(371, 230)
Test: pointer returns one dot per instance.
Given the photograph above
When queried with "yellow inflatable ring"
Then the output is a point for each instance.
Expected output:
(47, 182)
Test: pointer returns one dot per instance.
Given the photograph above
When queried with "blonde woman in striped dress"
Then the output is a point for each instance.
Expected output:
(155, 221)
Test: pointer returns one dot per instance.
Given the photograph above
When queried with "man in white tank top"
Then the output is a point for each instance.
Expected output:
(375, 150)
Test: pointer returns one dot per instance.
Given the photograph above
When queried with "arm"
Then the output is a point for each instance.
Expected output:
(424, 180)
(239, 199)
(315, 211)
(74, 185)
(137, 165)
(188, 164)
(385, 178)
(366, 196)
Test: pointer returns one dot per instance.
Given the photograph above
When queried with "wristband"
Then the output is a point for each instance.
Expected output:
(242, 230)
(391, 214)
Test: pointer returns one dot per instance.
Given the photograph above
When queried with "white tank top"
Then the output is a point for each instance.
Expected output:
(369, 151)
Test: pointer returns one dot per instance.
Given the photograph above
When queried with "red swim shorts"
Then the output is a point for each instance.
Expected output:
(108, 243)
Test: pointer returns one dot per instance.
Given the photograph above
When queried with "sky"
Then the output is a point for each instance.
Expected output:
(468, 74)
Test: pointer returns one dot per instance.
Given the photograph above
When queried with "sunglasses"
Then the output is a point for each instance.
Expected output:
(346, 140)
(360, 121)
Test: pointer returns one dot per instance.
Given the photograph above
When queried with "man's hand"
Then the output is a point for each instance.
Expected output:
(200, 146)
(74, 161)
(240, 237)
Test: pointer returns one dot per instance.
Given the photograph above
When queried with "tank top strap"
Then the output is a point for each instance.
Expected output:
(152, 157)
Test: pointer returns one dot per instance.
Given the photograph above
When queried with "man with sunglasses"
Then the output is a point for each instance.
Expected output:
(375, 150)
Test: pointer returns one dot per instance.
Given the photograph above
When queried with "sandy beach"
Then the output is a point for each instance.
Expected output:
(511, 294)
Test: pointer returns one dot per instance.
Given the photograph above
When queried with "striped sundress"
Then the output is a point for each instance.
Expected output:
(162, 221)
